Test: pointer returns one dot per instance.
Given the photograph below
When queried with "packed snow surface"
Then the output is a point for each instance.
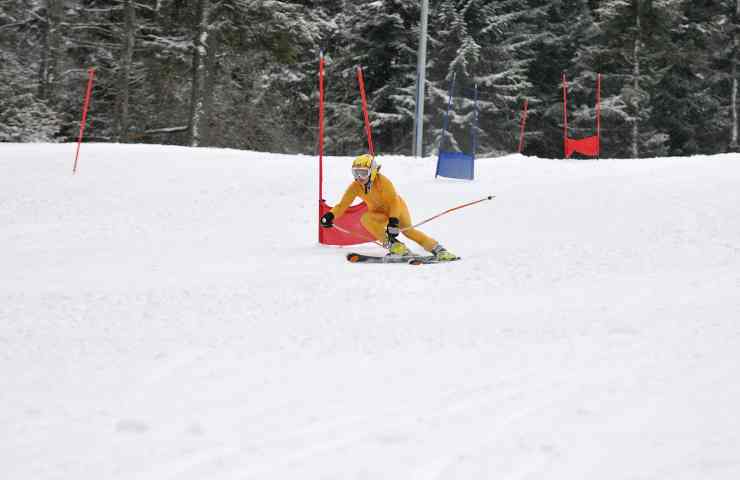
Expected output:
(167, 313)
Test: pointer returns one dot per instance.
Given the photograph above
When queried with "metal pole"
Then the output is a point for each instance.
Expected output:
(475, 124)
(418, 149)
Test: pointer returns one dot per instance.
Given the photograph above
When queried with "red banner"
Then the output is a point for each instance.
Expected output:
(589, 146)
(350, 221)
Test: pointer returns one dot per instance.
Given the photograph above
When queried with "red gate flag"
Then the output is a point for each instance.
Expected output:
(590, 146)
(350, 221)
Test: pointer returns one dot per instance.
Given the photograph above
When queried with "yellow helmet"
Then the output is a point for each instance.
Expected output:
(365, 168)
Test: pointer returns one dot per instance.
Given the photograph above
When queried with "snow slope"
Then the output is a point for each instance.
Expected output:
(167, 313)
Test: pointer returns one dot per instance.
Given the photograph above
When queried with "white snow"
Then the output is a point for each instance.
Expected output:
(167, 313)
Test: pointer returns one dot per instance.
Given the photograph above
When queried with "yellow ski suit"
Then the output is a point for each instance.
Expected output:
(382, 203)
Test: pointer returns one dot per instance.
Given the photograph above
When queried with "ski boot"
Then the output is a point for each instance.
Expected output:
(398, 249)
(442, 254)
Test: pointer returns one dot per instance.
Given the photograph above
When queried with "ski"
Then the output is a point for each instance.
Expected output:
(428, 260)
(360, 258)
(408, 259)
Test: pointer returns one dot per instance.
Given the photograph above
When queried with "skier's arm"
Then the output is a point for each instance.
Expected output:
(349, 196)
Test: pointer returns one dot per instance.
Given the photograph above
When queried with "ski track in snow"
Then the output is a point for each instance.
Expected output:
(166, 313)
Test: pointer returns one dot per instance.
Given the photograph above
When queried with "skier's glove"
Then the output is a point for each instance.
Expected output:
(327, 221)
(392, 229)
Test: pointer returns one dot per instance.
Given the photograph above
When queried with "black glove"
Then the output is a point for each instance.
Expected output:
(392, 229)
(327, 221)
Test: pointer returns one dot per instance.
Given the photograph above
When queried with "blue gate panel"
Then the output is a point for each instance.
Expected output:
(455, 165)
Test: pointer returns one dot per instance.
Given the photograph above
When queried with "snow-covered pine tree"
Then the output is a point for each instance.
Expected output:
(735, 59)
(670, 71)
(634, 34)
(288, 82)
(159, 101)
(247, 46)
(204, 52)
(52, 54)
(89, 39)
(129, 33)
(568, 45)
(717, 26)
(491, 45)
(510, 33)
(297, 112)
(455, 52)
(24, 115)
(382, 37)
(688, 100)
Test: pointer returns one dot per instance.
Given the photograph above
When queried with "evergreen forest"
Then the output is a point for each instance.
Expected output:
(244, 73)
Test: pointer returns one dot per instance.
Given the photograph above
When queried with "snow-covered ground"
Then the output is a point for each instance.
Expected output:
(167, 313)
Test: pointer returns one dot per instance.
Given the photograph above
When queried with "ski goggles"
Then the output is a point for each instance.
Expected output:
(361, 173)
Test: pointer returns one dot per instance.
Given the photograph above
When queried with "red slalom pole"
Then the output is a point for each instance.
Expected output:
(523, 123)
(368, 131)
(598, 113)
(321, 136)
(565, 116)
(85, 105)
(321, 126)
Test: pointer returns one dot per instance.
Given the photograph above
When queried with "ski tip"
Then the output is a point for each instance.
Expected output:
(429, 261)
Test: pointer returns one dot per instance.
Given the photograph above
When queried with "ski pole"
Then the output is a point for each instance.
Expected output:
(490, 197)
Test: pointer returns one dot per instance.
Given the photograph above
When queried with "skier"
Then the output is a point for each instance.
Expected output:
(387, 213)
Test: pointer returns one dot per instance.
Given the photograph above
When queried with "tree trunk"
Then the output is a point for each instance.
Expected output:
(50, 65)
(636, 87)
(127, 54)
(157, 13)
(733, 102)
(209, 90)
(198, 98)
